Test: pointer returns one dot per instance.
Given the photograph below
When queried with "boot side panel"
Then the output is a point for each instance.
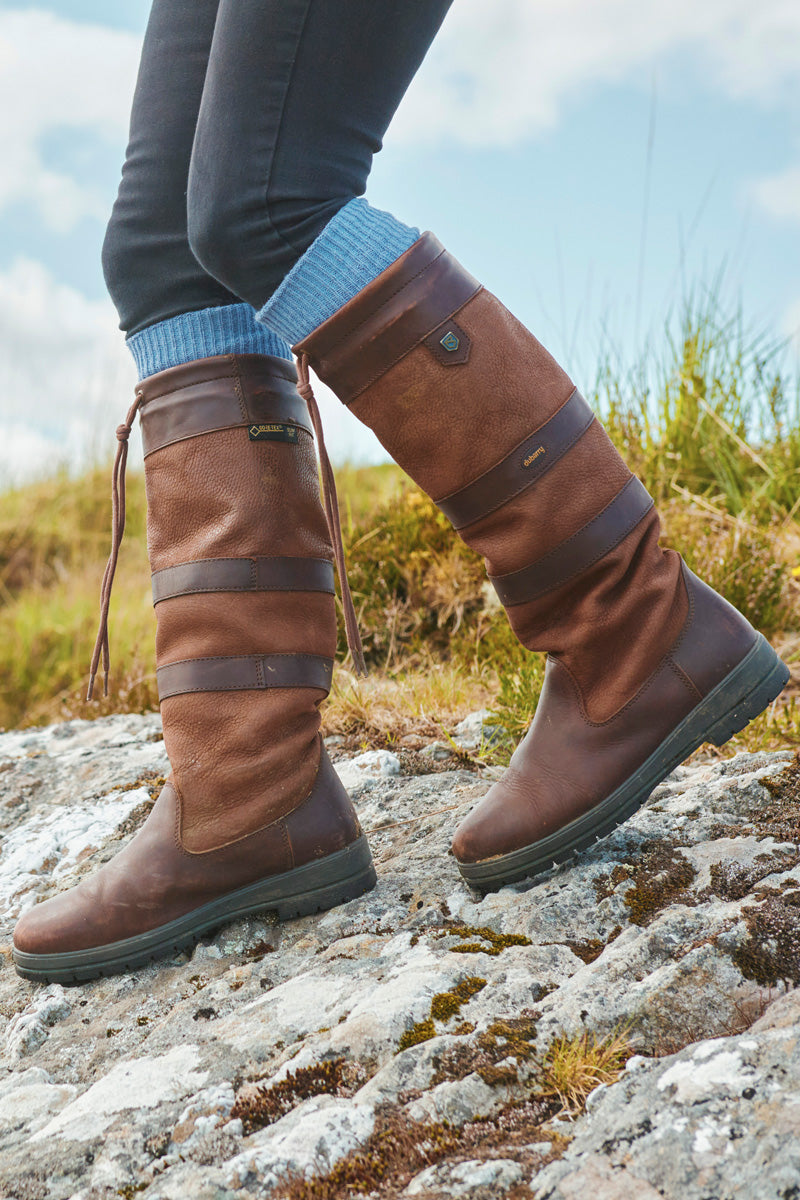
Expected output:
(220, 495)
(445, 425)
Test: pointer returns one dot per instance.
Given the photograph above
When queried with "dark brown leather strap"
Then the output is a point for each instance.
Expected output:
(205, 407)
(581, 551)
(247, 672)
(388, 317)
(244, 575)
(526, 464)
(251, 370)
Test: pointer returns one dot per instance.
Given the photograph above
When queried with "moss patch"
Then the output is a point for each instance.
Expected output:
(661, 877)
(444, 1005)
(511, 1038)
(734, 881)
(398, 1149)
(258, 1106)
(770, 954)
(606, 884)
(592, 948)
(420, 1031)
(490, 942)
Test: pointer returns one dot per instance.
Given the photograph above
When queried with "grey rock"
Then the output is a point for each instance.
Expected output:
(130, 1082)
(309, 1141)
(721, 1117)
(476, 731)
(496, 1175)
(437, 751)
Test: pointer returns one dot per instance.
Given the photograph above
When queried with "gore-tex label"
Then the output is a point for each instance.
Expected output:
(273, 433)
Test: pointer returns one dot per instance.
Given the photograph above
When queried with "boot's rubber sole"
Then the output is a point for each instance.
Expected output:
(312, 888)
(744, 693)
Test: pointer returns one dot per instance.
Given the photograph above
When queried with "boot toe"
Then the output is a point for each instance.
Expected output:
(43, 929)
(494, 827)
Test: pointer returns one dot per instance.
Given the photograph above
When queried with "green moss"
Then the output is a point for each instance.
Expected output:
(512, 1037)
(491, 942)
(421, 1031)
(444, 1005)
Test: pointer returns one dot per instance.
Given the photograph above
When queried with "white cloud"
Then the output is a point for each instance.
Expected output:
(66, 378)
(502, 71)
(57, 74)
(779, 194)
(66, 381)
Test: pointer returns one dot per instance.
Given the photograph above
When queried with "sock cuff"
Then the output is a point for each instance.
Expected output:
(228, 329)
(354, 247)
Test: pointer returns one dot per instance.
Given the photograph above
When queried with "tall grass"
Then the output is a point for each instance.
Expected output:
(713, 430)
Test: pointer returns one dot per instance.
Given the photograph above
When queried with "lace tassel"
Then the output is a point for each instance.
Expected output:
(332, 514)
(117, 530)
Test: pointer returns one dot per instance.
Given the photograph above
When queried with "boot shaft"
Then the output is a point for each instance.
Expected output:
(478, 412)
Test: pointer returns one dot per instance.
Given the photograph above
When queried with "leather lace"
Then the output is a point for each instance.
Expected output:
(331, 501)
(118, 529)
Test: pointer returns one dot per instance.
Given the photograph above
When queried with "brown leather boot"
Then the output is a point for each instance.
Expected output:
(253, 816)
(645, 662)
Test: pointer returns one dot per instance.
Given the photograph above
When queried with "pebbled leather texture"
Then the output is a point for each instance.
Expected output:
(449, 427)
(609, 619)
(252, 792)
(566, 764)
(155, 879)
(522, 468)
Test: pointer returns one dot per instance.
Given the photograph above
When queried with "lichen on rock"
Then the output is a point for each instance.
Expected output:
(401, 1040)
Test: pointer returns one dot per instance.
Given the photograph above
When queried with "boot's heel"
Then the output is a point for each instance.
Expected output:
(746, 692)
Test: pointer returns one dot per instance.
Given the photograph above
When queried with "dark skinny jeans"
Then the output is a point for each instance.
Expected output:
(253, 123)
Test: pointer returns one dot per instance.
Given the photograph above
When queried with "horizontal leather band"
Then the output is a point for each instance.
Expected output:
(244, 575)
(526, 464)
(388, 318)
(223, 402)
(248, 369)
(247, 672)
(574, 556)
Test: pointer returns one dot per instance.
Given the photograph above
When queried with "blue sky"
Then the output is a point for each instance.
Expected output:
(524, 143)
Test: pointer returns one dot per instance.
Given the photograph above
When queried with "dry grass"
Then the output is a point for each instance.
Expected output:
(573, 1067)
(405, 708)
(714, 432)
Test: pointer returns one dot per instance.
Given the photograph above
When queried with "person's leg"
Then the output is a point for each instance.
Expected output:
(170, 308)
(645, 661)
(252, 816)
(297, 99)
(149, 268)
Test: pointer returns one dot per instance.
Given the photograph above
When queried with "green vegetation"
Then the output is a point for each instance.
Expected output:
(714, 432)
(444, 1005)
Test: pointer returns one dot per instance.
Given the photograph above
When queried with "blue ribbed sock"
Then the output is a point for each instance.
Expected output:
(230, 329)
(353, 248)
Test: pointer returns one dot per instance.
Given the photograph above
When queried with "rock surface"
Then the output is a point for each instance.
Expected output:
(282, 1050)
